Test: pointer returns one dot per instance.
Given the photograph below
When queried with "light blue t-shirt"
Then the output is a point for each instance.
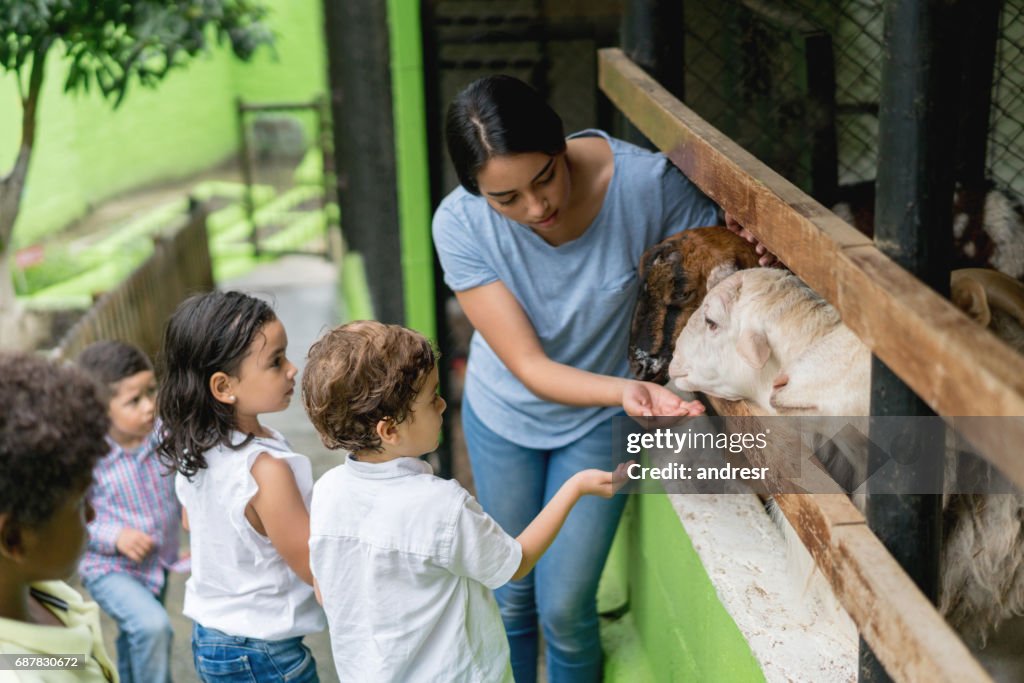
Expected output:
(579, 296)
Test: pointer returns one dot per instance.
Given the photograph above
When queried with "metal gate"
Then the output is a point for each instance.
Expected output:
(286, 164)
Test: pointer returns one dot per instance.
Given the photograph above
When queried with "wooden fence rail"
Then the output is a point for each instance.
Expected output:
(137, 309)
(955, 366)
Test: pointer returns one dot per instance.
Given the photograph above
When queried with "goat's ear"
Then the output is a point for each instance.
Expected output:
(753, 348)
(970, 297)
(720, 272)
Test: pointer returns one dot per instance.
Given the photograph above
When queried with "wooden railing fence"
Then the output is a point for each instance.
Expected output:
(956, 367)
(138, 308)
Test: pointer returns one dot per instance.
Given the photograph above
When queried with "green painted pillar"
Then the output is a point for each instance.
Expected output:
(413, 171)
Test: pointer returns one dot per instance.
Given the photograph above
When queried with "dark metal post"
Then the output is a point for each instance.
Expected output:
(979, 33)
(245, 161)
(327, 181)
(821, 90)
(359, 76)
(979, 26)
(435, 161)
(913, 227)
(652, 35)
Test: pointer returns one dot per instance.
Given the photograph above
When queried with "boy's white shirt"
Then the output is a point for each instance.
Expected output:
(406, 562)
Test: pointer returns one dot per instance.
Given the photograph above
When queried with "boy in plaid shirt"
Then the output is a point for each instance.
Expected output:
(134, 537)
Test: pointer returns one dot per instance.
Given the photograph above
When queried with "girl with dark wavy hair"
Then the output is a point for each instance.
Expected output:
(245, 494)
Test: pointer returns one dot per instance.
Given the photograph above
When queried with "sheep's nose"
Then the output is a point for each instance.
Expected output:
(682, 384)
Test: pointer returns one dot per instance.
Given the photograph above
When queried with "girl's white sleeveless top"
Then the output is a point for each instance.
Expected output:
(240, 584)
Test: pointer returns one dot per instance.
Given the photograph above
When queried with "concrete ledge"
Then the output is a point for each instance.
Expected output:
(791, 632)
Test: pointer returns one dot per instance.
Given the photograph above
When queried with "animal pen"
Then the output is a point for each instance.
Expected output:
(916, 335)
(802, 119)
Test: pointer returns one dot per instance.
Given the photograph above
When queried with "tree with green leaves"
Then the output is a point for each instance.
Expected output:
(109, 44)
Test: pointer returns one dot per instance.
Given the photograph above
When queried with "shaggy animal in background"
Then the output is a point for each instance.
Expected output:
(988, 225)
(988, 528)
(993, 300)
(673, 276)
(762, 335)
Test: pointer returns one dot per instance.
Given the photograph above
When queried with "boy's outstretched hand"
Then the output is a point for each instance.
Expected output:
(600, 482)
(536, 538)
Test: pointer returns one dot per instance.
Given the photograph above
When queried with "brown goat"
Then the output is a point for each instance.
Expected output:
(673, 281)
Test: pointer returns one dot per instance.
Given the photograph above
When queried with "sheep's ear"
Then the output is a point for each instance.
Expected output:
(717, 305)
(970, 297)
(753, 348)
(720, 272)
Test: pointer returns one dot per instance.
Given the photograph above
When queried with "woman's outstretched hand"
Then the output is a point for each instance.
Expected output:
(765, 257)
(647, 399)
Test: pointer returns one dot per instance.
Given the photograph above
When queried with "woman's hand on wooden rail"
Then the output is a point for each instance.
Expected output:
(766, 257)
(647, 399)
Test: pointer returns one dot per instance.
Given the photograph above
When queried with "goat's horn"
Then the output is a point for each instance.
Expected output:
(1003, 292)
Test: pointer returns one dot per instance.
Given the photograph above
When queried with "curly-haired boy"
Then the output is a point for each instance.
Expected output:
(52, 429)
(405, 561)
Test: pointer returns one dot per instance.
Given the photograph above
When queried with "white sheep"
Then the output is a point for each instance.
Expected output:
(762, 335)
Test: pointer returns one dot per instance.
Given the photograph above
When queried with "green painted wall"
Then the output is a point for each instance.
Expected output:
(683, 630)
(296, 69)
(86, 152)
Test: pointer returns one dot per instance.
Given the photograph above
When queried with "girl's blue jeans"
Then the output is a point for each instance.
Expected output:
(220, 658)
(513, 484)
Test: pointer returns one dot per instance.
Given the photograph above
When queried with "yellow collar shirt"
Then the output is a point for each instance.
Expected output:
(80, 636)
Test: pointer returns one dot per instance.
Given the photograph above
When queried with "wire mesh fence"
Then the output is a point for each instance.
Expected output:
(795, 82)
(759, 71)
(1006, 137)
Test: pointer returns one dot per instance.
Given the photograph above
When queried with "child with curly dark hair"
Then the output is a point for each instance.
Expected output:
(244, 492)
(52, 429)
(133, 541)
(405, 561)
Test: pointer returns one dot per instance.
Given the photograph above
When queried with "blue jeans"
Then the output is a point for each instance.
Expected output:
(513, 484)
(220, 658)
(144, 629)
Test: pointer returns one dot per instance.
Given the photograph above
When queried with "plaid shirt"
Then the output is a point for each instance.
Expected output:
(131, 490)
